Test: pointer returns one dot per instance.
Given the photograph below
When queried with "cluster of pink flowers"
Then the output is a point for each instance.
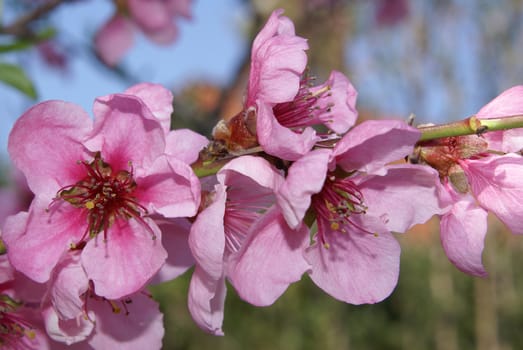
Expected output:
(117, 204)
(154, 18)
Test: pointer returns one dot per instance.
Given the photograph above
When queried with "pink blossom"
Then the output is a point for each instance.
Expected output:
(476, 182)
(114, 39)
(95, 188)
(155, 18)
(240, 237)
(284, 130)
(354, 256)
(280, 105)
(75, 315)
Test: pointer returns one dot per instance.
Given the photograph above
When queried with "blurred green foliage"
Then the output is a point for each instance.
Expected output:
(15, 77)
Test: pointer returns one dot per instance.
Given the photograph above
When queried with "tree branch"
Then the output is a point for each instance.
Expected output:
(20, 27)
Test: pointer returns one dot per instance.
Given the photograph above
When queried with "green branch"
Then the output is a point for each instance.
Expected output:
(470, 126)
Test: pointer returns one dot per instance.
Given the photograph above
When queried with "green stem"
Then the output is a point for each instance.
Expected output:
(206, 168)
(470, 126)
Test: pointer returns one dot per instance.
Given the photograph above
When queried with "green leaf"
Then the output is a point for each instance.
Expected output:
(27, 43)
(15, 77)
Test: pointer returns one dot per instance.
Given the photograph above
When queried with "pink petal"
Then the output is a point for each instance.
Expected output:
(305, 178)
(185, 145)
(508, 103)
(125, 262)
(253, 168)
(207, 237)
(278, 140)
(158, 99)
(374, 143)
(116, 118)
(9, 203)
(163, 36)
(170, 188)
(68, 285)
(357, 268)
(42, 235)
(68, 332)
(114, 39)
(496, 183)
(45, 144)
(512, 140)
(141, 327)
(180, 7)
(206, 301)
(150, 14)
(276, 25)
(19, 286)
(277, 61)
(463, 231)
(405, 196)
(175, 235)
(269, 261)
(7, 272)
(340, 100)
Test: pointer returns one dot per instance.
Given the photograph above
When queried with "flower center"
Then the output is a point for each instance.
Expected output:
(106, 194)
(306, 107)
(13, 328)
(335, 204)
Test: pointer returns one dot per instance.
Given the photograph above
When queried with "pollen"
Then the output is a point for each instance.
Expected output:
(30, 334)
(115, 307)
(89, 205)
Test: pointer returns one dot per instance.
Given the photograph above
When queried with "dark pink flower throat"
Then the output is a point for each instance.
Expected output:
(304, 110)
(106, 194)
(335, 204)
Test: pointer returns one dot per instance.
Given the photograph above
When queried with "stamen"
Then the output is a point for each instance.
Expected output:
(307, 107)
(320, 92)
(335, 206)
(107, 196)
